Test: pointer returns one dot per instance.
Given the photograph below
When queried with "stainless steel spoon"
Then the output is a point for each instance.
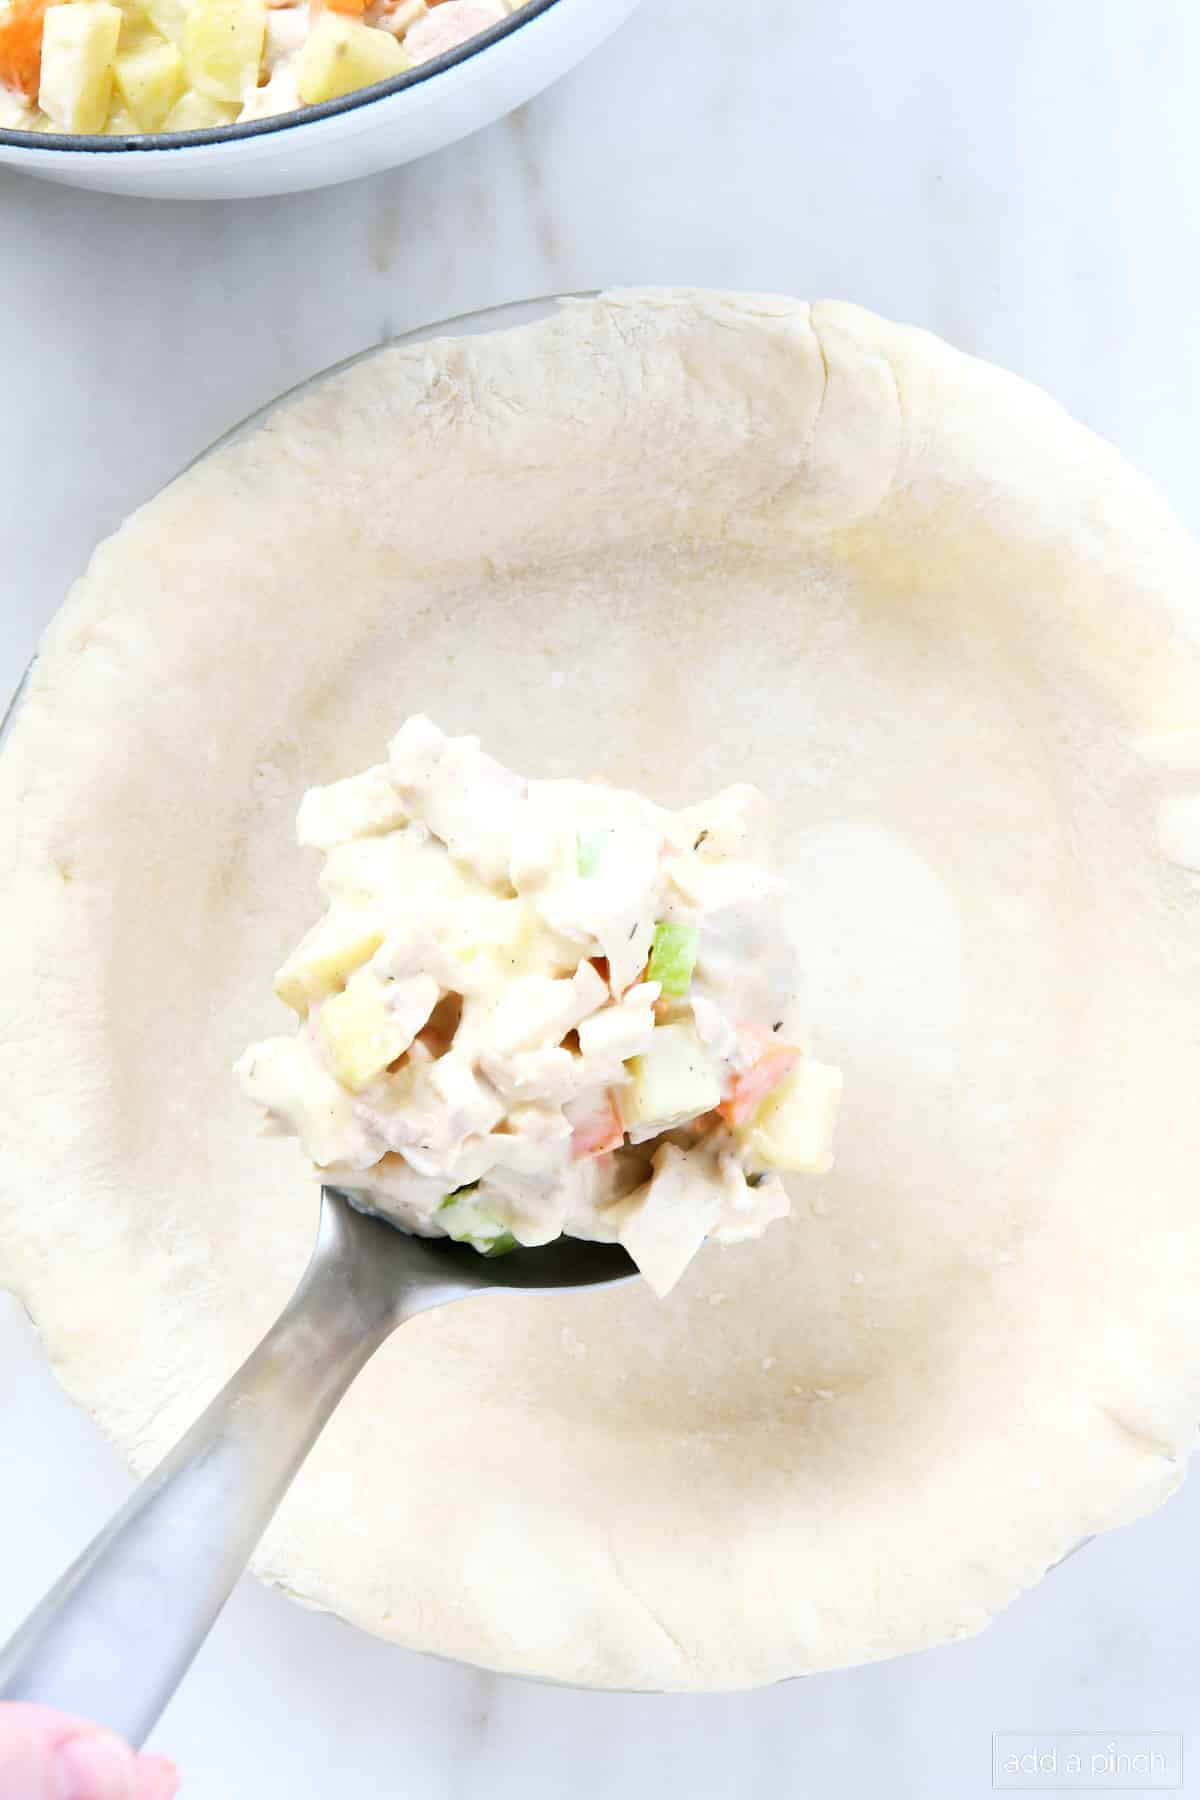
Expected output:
(114, 1637)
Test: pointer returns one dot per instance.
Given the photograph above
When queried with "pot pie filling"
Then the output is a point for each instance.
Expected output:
(537, 1007)
(129, 67)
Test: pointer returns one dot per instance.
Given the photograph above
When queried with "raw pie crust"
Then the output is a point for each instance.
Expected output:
(683, 539)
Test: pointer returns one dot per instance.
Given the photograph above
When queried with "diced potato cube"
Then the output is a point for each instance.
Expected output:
(362, 1038)
(341, 54)
(285, 1077)
(79, 42)
(136, 30)
(340, 943)
(121, 123)
(793, 1128)
(508, 929)
(149, 80)
(676, 1080)
(169, 17)
(196, 112)
(397, 863)
(223, 45)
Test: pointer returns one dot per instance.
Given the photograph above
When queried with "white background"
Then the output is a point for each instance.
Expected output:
(1019, 177)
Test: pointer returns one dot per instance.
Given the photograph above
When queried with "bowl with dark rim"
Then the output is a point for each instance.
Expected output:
(369, 129)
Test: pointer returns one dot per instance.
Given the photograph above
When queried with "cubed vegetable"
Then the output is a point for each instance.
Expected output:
(286, 1079)
(330, 952)
(222, 46)
(136, 30)
(169, 19)
(196, 112)
(498, 1246)
(793, 1128)
(673, 958)
(359, 1035)
(79, 43)
(21, 46)
(341, 54)
(674, 1081)
(463, 1218)
(748, 1091)
(149, 80)
(592, 853)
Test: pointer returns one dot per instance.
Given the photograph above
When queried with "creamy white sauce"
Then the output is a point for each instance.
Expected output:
(544, 1006)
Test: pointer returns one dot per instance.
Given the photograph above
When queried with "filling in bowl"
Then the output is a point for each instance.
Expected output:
(138, 66)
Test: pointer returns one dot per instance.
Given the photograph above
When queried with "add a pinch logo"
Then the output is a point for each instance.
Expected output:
(1093, 1761)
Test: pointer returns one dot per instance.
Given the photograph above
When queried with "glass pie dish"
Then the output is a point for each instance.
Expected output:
(912, 1340)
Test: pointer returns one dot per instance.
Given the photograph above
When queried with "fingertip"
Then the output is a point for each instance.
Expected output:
(95, 1765)
(40, 1724)
(158, 1778)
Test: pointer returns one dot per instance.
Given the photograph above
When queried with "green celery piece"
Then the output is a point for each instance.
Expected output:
(476, 1224)
(592, 853)
(454, 1193)
(673, 957)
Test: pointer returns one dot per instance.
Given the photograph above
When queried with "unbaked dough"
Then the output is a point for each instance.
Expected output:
(953, 637)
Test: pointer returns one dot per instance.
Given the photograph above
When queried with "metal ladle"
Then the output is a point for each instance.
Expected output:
(114, 1637)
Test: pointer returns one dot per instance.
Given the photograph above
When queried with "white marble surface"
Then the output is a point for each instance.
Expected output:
(1016, 177)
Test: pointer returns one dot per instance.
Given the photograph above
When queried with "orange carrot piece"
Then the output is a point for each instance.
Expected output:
(747, 1092)
(21, 46)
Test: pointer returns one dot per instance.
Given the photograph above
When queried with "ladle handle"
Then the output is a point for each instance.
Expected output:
(114, 1637)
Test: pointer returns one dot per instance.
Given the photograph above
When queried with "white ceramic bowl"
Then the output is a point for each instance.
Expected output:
(373, 128)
